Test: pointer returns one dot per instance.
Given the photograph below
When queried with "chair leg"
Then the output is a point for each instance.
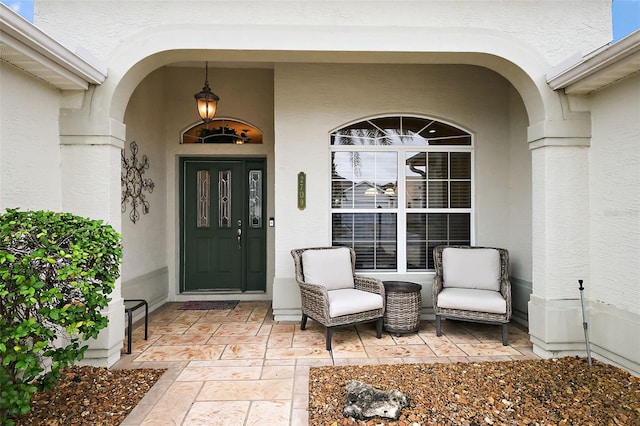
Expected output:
(303, 323)
(328, 338)
(505, 335)
(438, 332)
(379, 325)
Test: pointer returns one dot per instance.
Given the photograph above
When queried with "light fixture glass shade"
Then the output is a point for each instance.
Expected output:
(207, 103)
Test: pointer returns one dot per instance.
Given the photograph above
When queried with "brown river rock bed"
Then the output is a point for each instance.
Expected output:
(90, 396)
(563, 391)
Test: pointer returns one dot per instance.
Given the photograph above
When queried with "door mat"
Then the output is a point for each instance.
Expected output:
(207, 305)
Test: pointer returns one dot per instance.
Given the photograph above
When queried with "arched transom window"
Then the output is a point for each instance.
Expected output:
(222, 130)
(399, 187)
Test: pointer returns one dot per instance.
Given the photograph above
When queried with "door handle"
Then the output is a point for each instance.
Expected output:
(239, 233)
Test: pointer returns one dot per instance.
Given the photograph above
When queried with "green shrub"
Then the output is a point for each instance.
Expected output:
(56, 270)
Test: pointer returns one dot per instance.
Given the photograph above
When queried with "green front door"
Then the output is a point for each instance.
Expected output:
(223, 230)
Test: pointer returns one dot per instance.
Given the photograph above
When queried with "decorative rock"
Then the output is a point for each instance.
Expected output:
(366, 402)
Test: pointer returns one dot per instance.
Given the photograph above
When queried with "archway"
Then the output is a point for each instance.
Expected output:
(152, 50)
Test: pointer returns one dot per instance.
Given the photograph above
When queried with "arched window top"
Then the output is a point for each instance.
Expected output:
(400, 130)
(222, 130)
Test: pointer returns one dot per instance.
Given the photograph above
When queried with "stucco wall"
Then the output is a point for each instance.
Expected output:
(312, 100)
(557, 29)
(519, 210)
(519, 183)
(144, 242)
(29, 142)
(591, 208)
(614, 182)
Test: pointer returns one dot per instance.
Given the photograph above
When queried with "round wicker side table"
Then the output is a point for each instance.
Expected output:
(403, 304)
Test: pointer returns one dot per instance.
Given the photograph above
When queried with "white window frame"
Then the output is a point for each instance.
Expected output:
(401, 210)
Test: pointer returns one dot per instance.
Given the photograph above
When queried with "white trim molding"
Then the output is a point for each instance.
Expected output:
(601, 68)
(26, 47)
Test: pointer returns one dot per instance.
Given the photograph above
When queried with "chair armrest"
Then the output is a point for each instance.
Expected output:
(437, 287)
(314, 289)
(372, 285)
(505, 290)
(505, 283)
(505, 287)
(315, 300)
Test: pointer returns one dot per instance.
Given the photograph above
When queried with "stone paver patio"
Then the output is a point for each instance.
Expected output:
(239, 367)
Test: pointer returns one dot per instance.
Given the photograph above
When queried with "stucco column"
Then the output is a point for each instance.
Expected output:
(90, 169)
(560, 194)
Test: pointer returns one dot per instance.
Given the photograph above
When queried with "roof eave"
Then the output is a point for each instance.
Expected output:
(601, 68)
(30, 49)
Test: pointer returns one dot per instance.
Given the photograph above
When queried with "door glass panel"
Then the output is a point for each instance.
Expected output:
(255, 198)
(202, 219)
(224, 198)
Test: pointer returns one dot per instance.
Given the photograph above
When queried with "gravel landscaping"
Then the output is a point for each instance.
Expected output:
(565, 391)
(90, 396)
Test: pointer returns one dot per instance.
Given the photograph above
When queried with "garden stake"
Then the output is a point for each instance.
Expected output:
(584, 323)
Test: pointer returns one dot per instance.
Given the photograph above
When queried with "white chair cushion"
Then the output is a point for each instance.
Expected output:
(472, 300)
(351, 301)
(471, 268)
(330, 268)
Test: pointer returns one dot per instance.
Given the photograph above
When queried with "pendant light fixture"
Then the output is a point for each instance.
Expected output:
(207, 100)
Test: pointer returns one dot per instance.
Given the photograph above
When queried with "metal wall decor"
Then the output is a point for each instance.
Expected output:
(133, 184)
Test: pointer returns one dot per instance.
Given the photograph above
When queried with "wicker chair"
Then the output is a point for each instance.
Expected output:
(332, 294)
(472, 285)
